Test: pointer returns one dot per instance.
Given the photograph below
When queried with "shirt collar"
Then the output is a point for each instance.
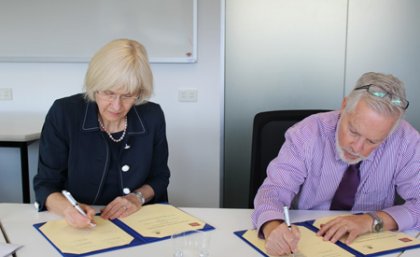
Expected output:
(90, 120)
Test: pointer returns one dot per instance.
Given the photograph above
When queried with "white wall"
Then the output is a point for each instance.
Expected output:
(280, 54)
(305, 54)
(389, 44)
(193, 129)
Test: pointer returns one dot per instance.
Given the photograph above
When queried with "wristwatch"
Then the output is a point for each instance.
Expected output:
(140, 196)
(378, 223)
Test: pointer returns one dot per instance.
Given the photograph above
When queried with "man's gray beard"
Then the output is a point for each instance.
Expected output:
(340, 150)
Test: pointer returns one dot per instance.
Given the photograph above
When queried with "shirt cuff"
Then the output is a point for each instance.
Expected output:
(402, 217)
(266, 217)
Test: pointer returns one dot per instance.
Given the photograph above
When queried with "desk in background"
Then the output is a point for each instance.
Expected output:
(17, 220)
(19, 129)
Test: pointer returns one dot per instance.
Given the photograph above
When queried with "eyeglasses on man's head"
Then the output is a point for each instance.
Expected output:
(380, 92)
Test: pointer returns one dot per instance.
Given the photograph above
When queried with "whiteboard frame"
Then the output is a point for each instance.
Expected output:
(69, 59)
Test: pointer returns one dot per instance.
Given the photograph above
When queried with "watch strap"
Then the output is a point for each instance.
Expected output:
(378, 224)
(140, 196)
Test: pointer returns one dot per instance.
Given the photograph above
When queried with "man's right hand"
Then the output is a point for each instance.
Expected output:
(279, 240)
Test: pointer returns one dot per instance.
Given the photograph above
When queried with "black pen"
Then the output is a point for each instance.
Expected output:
(287, 220)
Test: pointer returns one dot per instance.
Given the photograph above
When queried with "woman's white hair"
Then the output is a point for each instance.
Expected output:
(120, 64)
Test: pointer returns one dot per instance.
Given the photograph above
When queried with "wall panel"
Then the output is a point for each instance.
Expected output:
(280, 54)
(384, 36)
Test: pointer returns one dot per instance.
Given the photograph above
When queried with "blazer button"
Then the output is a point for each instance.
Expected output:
(126, 190)
(125, 168)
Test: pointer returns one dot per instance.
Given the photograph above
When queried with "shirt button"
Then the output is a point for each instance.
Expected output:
(127, 146)
(125, 168)
(126, 190)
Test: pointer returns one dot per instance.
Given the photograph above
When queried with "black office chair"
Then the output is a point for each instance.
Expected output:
(267, 138)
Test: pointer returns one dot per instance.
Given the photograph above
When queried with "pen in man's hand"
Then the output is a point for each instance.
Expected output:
(75, 204)
(287, 220)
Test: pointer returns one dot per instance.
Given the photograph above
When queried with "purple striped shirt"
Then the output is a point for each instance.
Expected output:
(309, 163)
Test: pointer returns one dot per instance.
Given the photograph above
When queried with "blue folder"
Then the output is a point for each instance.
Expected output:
(309, 224)
(357, 253)
(138, 239)
(241, 232)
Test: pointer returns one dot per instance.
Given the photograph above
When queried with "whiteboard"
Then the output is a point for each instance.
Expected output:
(73, 30)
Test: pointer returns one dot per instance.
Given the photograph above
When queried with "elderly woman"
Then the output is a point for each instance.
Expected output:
(107, 146)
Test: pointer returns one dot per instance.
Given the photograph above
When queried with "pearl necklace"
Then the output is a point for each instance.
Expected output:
(110, 135)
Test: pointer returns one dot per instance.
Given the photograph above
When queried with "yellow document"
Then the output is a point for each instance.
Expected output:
(161, 220)
(309, 245)
(376, 242)
(78, 241)
(324, 220)
(383, 241)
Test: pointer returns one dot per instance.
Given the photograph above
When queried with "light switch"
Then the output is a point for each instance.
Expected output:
(6, 94)
(187, 95)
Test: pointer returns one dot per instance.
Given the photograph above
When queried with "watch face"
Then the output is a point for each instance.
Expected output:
(378, 224)
(378, 227)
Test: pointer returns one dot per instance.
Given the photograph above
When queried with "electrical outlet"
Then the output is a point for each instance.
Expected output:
(187, 94)
(6, 94)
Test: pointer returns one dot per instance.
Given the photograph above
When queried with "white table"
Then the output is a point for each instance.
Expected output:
(5, 247)
(2, 239)
(3, 213)
(17, 220)
(19, 130)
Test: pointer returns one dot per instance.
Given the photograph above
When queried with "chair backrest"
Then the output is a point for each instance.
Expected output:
(267, 138)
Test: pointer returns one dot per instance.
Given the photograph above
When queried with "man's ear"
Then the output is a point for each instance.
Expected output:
(344, 103)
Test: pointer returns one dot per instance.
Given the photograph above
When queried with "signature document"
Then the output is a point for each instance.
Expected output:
(376, 242)
(310, 245)
(161, 220)
(149, 224)
(77, 241)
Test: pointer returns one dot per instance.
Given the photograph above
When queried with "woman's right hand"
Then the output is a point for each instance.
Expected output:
(76, 219)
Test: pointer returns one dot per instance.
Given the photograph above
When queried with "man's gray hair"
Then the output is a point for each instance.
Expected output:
(384, 106)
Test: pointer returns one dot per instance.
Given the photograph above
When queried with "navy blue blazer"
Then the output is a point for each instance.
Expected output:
(74, 154)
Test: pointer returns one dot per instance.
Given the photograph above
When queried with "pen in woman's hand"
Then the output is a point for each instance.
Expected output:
(287, 220)
(75, 204)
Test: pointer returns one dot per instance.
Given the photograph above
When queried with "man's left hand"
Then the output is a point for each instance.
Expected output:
(351, 226)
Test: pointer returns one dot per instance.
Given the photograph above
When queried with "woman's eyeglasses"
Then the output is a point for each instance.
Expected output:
(110, 96)
(380, 92)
